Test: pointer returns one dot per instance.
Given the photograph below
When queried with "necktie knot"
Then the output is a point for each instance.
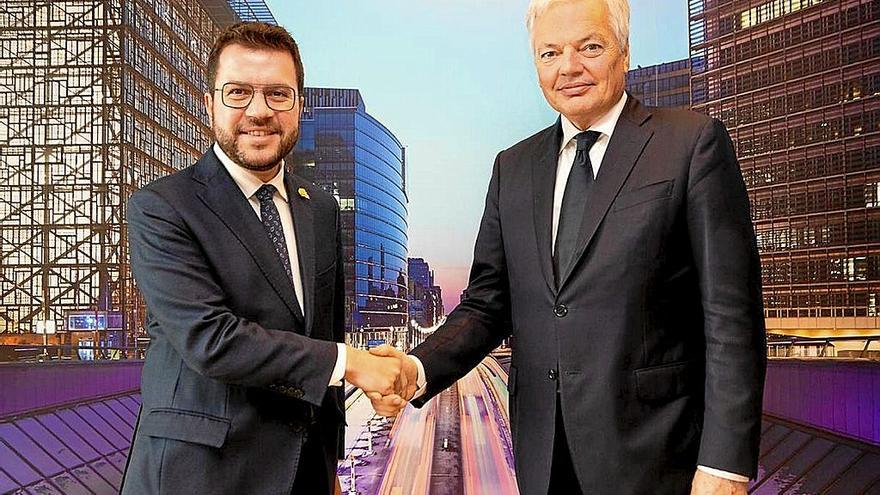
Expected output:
(586, 140)
(265, 192)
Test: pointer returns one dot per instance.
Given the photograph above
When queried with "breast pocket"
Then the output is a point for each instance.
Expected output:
(644, 194)
(325, 277)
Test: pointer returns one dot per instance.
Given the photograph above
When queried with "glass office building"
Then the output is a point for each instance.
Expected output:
(662, 85)
(797, 82)
(357, 159)
(425, 297)
(97, 98)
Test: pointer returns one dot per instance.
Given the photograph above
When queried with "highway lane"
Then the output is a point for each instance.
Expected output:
(486, 461)
(486, 452)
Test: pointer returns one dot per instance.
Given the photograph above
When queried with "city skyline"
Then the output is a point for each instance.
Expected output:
(99, 100)
(442, 78)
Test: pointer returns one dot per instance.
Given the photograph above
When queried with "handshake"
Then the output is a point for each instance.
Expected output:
(388, 377)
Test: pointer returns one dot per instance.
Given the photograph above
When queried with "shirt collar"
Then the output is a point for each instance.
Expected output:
(246, 181)
(604, 125)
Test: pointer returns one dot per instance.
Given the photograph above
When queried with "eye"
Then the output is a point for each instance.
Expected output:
(547, 54)
(279, 93)
(592, 49)
(237, 91)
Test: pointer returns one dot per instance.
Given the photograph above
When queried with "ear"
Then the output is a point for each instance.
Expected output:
(209, 104)
(300, 107)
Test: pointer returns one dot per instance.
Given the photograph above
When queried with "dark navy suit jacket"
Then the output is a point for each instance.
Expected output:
(235, 374)
(654, 335)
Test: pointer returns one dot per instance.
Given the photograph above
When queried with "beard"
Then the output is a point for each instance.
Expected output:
(228, 142)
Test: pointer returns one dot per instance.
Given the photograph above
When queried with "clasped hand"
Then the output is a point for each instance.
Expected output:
(385, 374)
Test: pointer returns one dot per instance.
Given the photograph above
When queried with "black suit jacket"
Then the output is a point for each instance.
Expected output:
(655, 336)
(234, 374)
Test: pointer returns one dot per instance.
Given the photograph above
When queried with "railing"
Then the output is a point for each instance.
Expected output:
(29, 387)
(30, 353)
(858, 347)
(837, 395)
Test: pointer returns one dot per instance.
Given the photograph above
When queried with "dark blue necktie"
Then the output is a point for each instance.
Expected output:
(574, 200)
(272, 223)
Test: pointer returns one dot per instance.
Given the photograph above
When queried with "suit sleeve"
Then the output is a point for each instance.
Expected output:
(728, 267)
(339, 327)
(482, 320)
(187, 303)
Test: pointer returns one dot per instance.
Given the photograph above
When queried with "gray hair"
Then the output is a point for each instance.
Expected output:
(617, 9)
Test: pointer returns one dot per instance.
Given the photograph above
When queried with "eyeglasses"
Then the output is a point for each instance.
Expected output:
(239, 95)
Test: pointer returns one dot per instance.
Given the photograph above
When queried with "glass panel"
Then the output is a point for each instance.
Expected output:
(16, 467)
(771, 437)
(857, 478)
(828, 469)
(84, 430)
(103, 427)
(795, 467)
(28, 449)
(93, 481)
(70, 485)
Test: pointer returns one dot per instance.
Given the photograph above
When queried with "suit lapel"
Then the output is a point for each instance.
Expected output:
(225, 199)
(303, 226)
(543, 182)
(627, 143)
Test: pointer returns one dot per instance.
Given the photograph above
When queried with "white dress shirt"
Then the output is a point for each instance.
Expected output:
(249, 183)
(568, 148)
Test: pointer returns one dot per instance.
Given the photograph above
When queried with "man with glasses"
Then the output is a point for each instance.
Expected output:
(240, 265)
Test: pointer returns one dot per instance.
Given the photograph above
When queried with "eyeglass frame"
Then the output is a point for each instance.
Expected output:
(257, 88)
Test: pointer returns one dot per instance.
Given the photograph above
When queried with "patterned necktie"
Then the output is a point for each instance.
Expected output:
(574, 200)
(272, 223)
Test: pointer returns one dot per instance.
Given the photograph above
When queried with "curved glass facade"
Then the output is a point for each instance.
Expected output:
(357, 159)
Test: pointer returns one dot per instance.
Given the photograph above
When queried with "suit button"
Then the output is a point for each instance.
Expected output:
(560, 310)
(551, 374)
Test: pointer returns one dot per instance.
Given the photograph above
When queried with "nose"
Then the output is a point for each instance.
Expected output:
(570, 63)
(258, 108)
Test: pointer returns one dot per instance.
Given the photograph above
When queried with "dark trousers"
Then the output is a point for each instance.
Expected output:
(562, 475)
(312, 475)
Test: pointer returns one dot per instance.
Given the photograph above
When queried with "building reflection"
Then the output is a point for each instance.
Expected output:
(353, 156)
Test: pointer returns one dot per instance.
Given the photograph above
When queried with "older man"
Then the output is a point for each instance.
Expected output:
(616, 247)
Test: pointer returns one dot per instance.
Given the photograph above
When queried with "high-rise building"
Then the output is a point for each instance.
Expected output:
(97, 98)
(420, 275)
(797, 83)
(425, 298)
(252, 10)
(662, 85)
(352, 155)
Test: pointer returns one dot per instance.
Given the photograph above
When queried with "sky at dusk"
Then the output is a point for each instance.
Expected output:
(454, 81)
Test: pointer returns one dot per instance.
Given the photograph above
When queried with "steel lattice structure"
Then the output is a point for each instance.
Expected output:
(97, 98)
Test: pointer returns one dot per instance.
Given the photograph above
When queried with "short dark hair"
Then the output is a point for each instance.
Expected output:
(256, 35)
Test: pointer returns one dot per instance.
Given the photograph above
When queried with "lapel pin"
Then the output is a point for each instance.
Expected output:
(302, 192)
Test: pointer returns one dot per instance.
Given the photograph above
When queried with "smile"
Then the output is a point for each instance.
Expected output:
(574, 89)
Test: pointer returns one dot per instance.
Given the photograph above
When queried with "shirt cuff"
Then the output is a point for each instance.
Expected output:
(724, 474)
(421, 381)
(339, 369)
